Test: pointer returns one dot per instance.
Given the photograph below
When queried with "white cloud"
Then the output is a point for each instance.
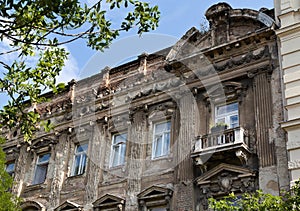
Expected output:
(5, 46)
(70, 70)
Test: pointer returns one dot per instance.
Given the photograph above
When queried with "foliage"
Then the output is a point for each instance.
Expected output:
(259, 201)
(8, 201)
(40, 29)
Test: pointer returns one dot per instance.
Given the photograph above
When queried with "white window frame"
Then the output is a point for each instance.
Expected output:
(121, 153)
(38, 164)
(227, 115)
(82, 160)
(163, 134)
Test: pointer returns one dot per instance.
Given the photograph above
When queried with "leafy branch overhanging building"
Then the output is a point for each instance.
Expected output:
(166, 131)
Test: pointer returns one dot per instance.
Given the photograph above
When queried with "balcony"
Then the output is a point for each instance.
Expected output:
(230, 140)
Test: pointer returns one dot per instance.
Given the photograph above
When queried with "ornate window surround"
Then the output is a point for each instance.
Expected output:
(68, 205)
(153, 197)
(109, 202)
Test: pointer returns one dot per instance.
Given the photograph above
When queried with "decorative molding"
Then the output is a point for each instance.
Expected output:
(109, 201)
(68, 205)
(243, 156)
(243, 59)
(155, 196)
(294, 164)
(228, 91)
(223, 179)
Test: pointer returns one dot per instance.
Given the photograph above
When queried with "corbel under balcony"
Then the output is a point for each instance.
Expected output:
(230, 140)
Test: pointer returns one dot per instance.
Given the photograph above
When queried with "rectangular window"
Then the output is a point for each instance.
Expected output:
(228, 114)
(41, 169)
(10, 169)
(80, 158)
(161, 142)
(118, 150)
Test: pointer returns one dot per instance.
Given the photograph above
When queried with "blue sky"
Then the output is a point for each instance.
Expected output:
(177, 17)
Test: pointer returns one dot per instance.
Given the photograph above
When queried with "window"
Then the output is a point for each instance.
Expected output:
(228, 114)
(41, 169)
(118, 150)
(10, 169)
(161, 142)
(80, 157)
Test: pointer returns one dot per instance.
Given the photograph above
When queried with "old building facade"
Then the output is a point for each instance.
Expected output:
(288, 12)
(166, 131)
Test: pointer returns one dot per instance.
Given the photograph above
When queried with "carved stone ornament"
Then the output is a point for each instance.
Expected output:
(223, 179)
(228, 91)
(155, 196)
(109, 202)
(225, 182)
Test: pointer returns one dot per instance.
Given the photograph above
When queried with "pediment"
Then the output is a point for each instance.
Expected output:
(192, 42)
(33, 205)
(43, 142)
(108, 200)
(224, 92)
(67, 205)
(154, 191)
(222, 168)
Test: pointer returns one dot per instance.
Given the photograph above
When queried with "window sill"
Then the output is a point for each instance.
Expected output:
(35, 187)
(164, 157)
(76, 176)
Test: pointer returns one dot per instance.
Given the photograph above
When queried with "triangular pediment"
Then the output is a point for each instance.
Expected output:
(67, 205)
(108, 199)
(154, 191)
(223, 167)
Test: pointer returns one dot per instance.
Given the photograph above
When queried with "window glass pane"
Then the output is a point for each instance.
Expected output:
(10, 168)
(158, 146)
(234, 121)
(82, 148)
(221, 110)
(115, 152)
(76, 165)
(120, 138)
(166, 143)
(122, 154)
(232, 107)
(44, 158)
(40, 174)
(159, 128)
(83, 164)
